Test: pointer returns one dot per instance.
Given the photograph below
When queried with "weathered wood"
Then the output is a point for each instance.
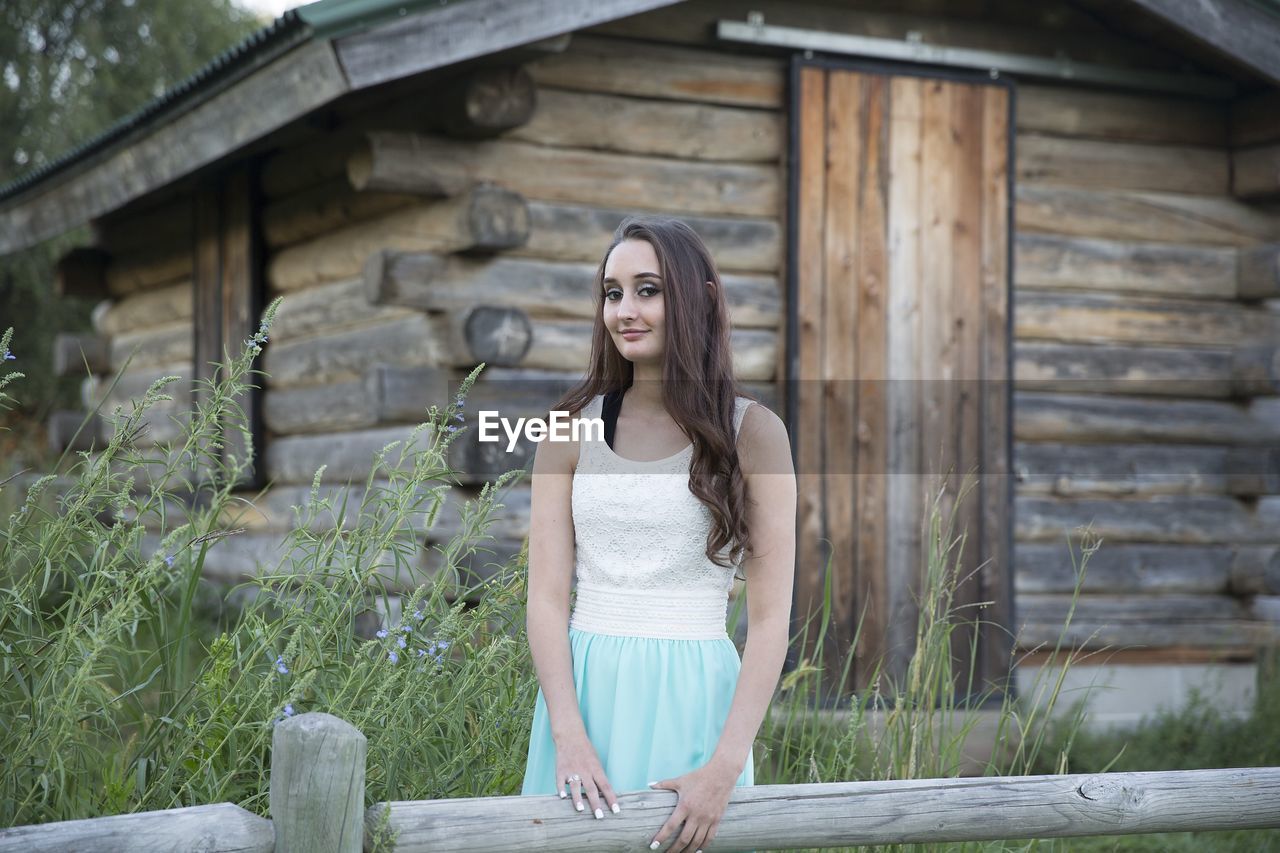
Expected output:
(1104, 319)
(151, 267)
(324, 208)
(1254, 119)
(295, 84)
(1149, 608)
(157, 307)
(485, 218)
(659, 71)
(567, 232)
(571, 119)
(81, 273)
(149, 347)
(133, 384)
(846, 814)
(1052, 567)
(1236, 29)
(1142, 216)
(74, 355)
(483, 103)
(1072, 111)
(1146, 370)
(437, 37)
(344, 354)
(1186, 519)
(431, 281)
(63, 426)
(1122, 165)
(493, 334)
(348, 456)
(1255, 571)
(219, 828)
(1049, 416)
(301, 167)
(403, 162)
(1258, 271)
(323, 308)
(1255, 172)
(1094, 470)
(1086, 634)
(1076, 263)
(317, 784)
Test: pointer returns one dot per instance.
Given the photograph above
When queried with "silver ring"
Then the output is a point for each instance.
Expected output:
(575, 778)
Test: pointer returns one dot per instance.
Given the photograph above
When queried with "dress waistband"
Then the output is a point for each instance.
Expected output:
(661, 614)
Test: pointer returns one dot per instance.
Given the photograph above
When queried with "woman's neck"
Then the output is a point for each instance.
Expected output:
(645, 392)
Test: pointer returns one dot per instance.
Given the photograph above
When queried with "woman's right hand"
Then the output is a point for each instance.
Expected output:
(578, 758)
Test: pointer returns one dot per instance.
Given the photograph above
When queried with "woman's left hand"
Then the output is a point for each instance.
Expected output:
(701, 798)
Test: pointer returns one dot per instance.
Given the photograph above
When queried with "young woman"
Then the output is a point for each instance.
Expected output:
(641, 682)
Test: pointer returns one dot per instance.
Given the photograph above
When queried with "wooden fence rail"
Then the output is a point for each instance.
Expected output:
(317, 804)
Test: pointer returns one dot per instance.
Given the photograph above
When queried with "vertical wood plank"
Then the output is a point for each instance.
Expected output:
(317, 784)
(872, 429)
(207, 286)
(810, 106)
(996, 642)
(905, 498)
(966, 111)
(936, 270)
(240, 308)
(839, 363)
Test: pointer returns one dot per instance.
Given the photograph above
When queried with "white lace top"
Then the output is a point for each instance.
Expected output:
(640, 567)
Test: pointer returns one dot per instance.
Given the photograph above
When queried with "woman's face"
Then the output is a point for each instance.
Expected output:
(633, 301)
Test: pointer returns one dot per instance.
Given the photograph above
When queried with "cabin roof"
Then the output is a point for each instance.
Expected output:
(331, 48)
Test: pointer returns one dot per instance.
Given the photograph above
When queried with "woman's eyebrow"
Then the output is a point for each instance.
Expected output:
(612, 280)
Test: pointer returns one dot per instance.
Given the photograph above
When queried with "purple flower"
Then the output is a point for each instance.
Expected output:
(280, 665)
(418, 614)
(452, 428)
(459, 417)
(406, 628)
(288, 710)
(382, 632)
(402, 642)
(422, 653)
(169, 561)
(8, 356)
(393, 656)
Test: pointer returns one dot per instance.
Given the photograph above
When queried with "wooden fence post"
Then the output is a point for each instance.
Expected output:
(317, 784)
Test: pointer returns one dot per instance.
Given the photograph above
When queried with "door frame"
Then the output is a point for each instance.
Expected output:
(801, 60)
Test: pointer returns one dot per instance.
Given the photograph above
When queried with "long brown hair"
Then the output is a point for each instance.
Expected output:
(698, 388)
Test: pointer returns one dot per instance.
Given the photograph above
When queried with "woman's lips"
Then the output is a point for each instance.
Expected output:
(631, 336)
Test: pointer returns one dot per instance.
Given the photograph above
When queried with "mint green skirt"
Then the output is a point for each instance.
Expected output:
(653, 709)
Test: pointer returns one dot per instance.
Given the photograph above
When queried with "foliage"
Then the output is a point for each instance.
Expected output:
(106, 706)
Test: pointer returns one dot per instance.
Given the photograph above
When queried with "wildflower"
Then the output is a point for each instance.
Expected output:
(459, 417)
(444, 644)
(393, 656)
(418, 614)
(452, 428)
(288, 710)
(402, 642)
(406, 628)
(168, 561)
(8, 356)
(280, 665)
(382, 633)
(422, 653)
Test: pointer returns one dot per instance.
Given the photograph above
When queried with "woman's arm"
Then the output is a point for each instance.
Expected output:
(764, 451)
(551, 558)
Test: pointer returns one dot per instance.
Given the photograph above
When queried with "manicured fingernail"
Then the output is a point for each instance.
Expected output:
(563, 795)
(599, 814)
(615, 808)
(579, 806)
(653, 846)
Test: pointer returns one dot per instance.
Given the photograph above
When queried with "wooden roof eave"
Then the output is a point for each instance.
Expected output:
(308, 77)
(1235, 29)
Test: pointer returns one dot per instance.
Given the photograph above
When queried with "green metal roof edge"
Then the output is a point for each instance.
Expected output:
(327, 19)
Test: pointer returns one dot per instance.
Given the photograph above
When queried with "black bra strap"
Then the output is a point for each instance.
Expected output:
(609, 411)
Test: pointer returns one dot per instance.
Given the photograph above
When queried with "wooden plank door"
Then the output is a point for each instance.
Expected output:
(899, 370)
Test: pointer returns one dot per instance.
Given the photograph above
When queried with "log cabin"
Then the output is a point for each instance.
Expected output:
(1035, 243)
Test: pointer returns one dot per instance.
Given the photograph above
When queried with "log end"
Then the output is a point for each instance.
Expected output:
(1258, 272)
(497, 219)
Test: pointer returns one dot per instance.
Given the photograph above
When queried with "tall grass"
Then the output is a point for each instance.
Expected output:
(115, 698)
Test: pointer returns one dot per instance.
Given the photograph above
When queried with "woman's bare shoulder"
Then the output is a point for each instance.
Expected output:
(764, 445)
